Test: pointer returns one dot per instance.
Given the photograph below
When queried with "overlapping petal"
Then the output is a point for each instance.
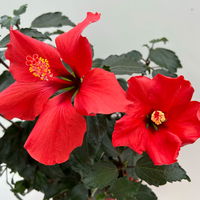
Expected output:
(21, 46)
(181, 125)
(25, 100)
(75, 49)
(58, 131)
(163, 147)
(100, 93)
(130, 131)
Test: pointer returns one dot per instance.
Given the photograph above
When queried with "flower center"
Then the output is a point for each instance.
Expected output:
(39, 67)
(158, 117)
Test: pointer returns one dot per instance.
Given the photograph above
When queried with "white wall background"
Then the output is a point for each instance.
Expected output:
(126, 25)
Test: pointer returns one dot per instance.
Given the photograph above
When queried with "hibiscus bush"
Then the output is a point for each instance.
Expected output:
(81, 131)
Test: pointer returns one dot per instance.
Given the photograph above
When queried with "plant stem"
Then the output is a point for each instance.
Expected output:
(4, 64)
(2, 126)
(12, 188)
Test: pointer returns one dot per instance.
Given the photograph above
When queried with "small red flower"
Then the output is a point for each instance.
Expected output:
(161, 118)
(39, 73)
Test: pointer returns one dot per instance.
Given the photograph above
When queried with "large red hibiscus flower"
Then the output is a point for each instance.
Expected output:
(161, 118)
(44, 87)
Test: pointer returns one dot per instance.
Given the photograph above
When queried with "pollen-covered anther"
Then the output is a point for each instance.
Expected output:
(158, 117)
(39, 67)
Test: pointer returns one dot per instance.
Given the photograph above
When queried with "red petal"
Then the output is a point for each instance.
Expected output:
(75, 49)
(171, 93)
(130, 131)
(186, 124)
(58, 131)
(21, 46)
(163, 147)
(25, 100)
(100, 93)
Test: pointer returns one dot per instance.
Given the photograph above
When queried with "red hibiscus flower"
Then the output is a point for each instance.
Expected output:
(161, 118)
(39, 73)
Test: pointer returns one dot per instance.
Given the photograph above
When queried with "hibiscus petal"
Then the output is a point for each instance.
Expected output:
(100, 93)
(163, 147)
(25, 100)
(186, 124)
(21, 46)
(171, 93)
(58, 131)
(75, 49)
(130, 131)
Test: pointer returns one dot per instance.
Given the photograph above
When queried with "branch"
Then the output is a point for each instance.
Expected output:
(4, 64)
(2, 126)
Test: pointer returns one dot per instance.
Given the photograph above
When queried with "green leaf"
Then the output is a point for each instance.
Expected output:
(164, 40)
(96, 129)
(5, 41)
(165, 58)
(97, 63)
(159, 175)
(79, 192)
(123, 189)
(55, 19)
(6, 79)
(34, 34)
(5, 21)
(163, 72)
(101, 175)
(20, 10)
(128, 63)
(21, 186)
(2, 55)
(130, 158)
(123, 83)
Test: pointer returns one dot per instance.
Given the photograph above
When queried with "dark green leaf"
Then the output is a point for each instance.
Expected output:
(34, 34)
(128, 63)
(165, 58)
(163, 72)
(101, 175)
(55, 19)
(164, 40)
(79, 192)
(96, 129)
(108, 147)
(20, 10)
(6, 79)
(123, 189)
(159, 175)
(123, 83)
(129, 158)
(21, 186)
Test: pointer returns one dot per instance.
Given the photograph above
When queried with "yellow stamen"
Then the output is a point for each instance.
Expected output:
(39, 67)
(158, 117)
